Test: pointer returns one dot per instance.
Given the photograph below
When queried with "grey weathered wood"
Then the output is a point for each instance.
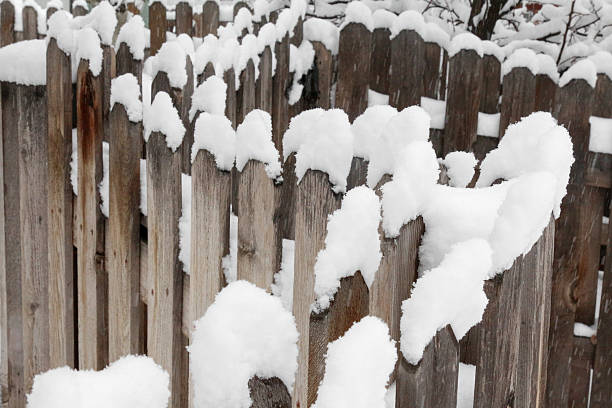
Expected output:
(257, 243)
(126, 63)
(108, 72)
(489, 102)
(358, 173)
(263, 86)
(184, 18)
(91, 273)
(60, 211)
(7, 23)
(210, 18)
(79, 11)
(230, 99)
(353, 69)
(158, 26)
(518, 99)
(380, 60)
(324, 65)
(29, 17)
(431, 74)
(268, 393)
(33, 176)
(599, 165)
(280, 84)
(581, 366)
(245, 95)
(407, 69)
(315, 201)
(545, 93)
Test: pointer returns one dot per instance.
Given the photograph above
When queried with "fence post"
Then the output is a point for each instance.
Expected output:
(108, 72)
(13, 331)
(546, 85)
(230, 100)
(433, 382)
(184, 18)
(280, 83)
(61, 252)
(324, 62)
(263, 86)
(7, 23)
(158, 26)
(518, 99)
(407, 69)
(91, 288)
(380, 57)
(29, 17)
(33, 176)
(572, 108)
(245, 96)
(489, 97)
(462, 100)
(79, 10)
(210, 18)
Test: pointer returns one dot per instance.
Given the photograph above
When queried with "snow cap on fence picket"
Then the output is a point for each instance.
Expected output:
(536, 143)
(368, 127)
(433, 33)
(254, 142)
(358, 366)
(247, 51)
(459, 168)
(225, 55)
(80, 3)
(133, 35)
(261, 8)
(352, 244)
(409, 125)
(521, 58)
(102, 19)
(323, 31)
(205, 53)
(603, 63)
(88, 49)
(125, 90)
(322, 140)
(408, 20)
(451, 293)
(242, 20)
(382, 18)
(465, 41)
(24, 62)
(56, 4)
(41, 16)
(209, 97)
(171, 59)
(267, 38)
(60, 29)
(584, 69)
(161, 116)
(186, 42)
(357, 12)
(215, 134)
(547, 66)
(288, 18)
(537, 46)
(491, 48)
(300, 61)
(244, 333)
(405, 196)
(130, 382)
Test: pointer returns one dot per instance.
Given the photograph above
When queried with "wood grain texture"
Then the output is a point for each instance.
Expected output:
(324, 66)
(518, 99)
(33, 176)
(380, 60)
(358, 173)
(7, 23)
(91, 273)
(184, 18)
(79, 11)
(280, 84)
(581, 366)
(263, 86)
(3, 317)
(158, 26)
(60, 208)
(431, 74)
(210, 18)
(315, 201)
(230, 99)
(545, 93)
(108, 72)
(257, 249)
(29, 17)
(462, 101)
(126, 63)
(268, 393)
(164, 320)
(489, 102)
(125, 307)
(353, 69)
(245, 95)
(407, 69)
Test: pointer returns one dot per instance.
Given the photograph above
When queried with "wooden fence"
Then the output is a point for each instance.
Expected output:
(81, 289)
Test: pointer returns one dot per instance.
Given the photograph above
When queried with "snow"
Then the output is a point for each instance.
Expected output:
(434, 34)
(247, 51)
(267, 38)
(130, 382)
(132, 33)
(245, 332)
(409, 20)
(460, 168)
(205, 53)
(261, 8)
(289, 17)
(301, 60)
(600, 140)
(436, 110)
(584, 69)
(352, 244)
(59, 28)
(488, 124)
(229, 262)
(243, 20)
(24, 62)
(283, 279)
(322, 140)
(88, 49)
(209, 97)
(534, 144)
(451, 293)
(357, 367)
(521, 58)
(184, 226)
(102, 19)
(171, 59)
(603, 63)
(125, 90)
(316, 29)
(465, 41)
(491, 48)
(162, 117)
(465, 385)
(376, 98)
(357, 12)
(254, 142)
(547, 66)
(383, 19)
(582, 330)
(80, 3)
(55, 4)
(215, 134)
(368, 127)
(41, 15)
(104, 186)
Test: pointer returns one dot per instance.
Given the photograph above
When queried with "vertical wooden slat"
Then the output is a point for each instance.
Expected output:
(79, 11)
(245, 96)
(380, 60)
(545, 93)
(324, 63)
(60, 211)
(581, 366)
(230, 99)
(210, 18)
(29, 17)
(263, 86)
(280, 83)
(158, 26)
(489, 101)
(7, 23)
(184, 18)
(407, 69)
(518, 99)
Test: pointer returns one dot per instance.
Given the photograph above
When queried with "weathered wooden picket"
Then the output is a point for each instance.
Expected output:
(80, 289)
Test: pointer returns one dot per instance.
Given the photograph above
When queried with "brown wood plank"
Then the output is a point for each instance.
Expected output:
(184, 18)
(380, 60)
(230, 99)
(280, 84)
(210, 18)
(3, 293)
(324, 65)
(7, 23)
(29, 17)
(245, 95)
(126, 63)
(268, 393)
(545, 93)
(60, 208)
(79, 11)
(582, 363)
(158, 26)
(353, 69)
(263, 86)
(518, 99)
(407, 69)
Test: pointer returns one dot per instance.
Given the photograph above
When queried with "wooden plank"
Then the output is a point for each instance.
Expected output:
(545, 93)
(353, 69)
(12, 248)
(158, 26)
(581, 366)
(462, 101)
(184, 18)
(3, 303)
(298, 32)
(79, 11)
(7, 23)
(518, 99)
(108, 72)
(350, 305)
(433, 382)
(380, 60)
(245, 95)
(164, 320)
(263, 86)
(60, 208)
(407, 69)
(572, 109)
(126, 63)
(257, 249)
(431, 74)
(33, 176)
(268, 393)
(280, 84)
(324, 65)
(238, 5)
(601, 393)
(210, 18)
(230, 99)
(358, 173)
(315, 201)
(29, 17)
(91, 275)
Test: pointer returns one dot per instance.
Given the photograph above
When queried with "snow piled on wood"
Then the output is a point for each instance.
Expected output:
(357, 12)
(171, 59)
(161, 116)
(215, 134)
(254, 142)
(24, 63)
(584, 69)
(459, 168)
(465, 41)
(209, 97)
(323, 31)
(132, 34)
(246, 332)
(125, 90)
(357, 367)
